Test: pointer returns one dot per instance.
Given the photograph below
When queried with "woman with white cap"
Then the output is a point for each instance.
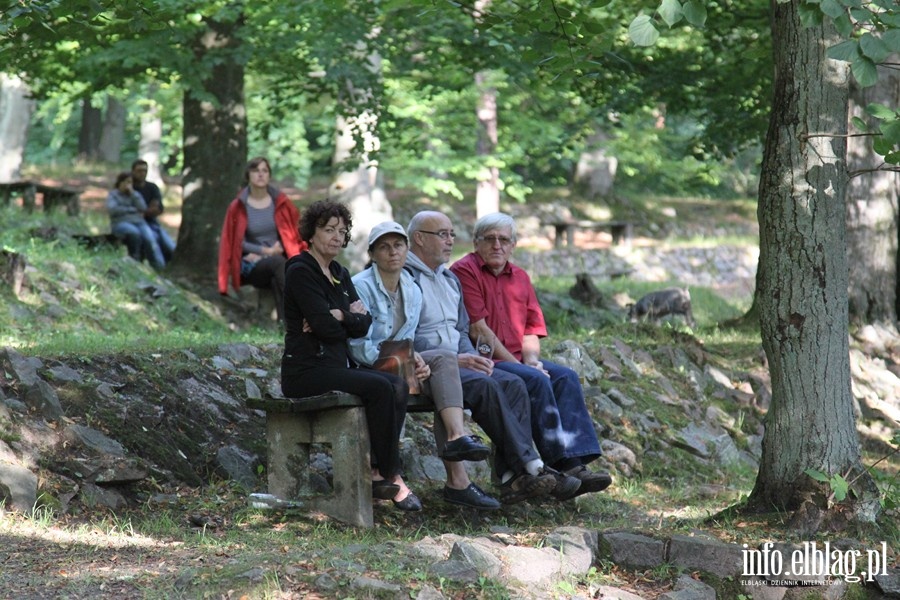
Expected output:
(394, 301)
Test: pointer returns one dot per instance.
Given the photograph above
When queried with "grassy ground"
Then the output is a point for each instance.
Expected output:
(206, 542)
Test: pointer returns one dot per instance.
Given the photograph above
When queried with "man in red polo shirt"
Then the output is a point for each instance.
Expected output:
(504, 311)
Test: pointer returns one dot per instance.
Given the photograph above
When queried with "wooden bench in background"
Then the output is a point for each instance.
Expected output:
(621, 231)
(51, 196)
(338, 419)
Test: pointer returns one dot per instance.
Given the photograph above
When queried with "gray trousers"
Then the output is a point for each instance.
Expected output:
(443, 387)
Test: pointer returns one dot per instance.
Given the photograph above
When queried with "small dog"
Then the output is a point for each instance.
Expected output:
(655, 305)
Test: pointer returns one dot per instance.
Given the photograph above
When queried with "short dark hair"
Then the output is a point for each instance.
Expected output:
(139, 161)
(122, 177)
(255, 162)
(319, 213)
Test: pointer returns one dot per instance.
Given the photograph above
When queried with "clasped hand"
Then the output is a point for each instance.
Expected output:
(423, 371)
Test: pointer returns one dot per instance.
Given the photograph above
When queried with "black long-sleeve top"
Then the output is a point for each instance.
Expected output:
(309, 295)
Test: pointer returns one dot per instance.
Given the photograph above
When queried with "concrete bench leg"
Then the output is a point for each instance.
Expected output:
(289, 436)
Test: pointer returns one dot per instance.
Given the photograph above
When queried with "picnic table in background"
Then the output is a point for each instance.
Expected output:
(51, 196)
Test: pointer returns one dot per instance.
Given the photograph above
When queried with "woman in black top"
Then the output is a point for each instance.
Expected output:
(322, 311)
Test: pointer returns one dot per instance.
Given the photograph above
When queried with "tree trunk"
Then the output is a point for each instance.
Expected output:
(803, 269)
(113, 133)
(15, 114)
(215, 151)
(89, 134)
(151, 138)
(358, 182)
(872, 213)
(487, 191)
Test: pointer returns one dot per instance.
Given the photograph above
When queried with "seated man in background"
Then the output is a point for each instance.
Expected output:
(153, 197)
(503, 307)
(498, 400)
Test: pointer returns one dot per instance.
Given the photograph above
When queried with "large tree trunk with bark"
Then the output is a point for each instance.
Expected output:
(113, 133)
(487, 190)
(151, 138)
(215, 152)
(872, 213)
(804, 271)
(15, 114)
(89, 134)
(357, 180)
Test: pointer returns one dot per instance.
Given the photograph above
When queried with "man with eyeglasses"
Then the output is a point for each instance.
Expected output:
(498, 400)
(503, 307)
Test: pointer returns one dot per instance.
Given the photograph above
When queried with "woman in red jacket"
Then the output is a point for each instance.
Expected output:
(259, 234)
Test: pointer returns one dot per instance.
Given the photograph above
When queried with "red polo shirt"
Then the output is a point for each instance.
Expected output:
(506, 301)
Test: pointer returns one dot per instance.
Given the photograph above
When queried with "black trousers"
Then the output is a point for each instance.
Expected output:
(501, 407)
(384, 395)
(268, 272)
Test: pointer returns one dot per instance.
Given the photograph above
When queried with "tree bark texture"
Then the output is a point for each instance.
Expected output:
(15, 114)
(151, 138)
(872, 213)
(803, 267)
(215, 151)
(358, 182)
(487, 190)
(89, 134)
(113, 133)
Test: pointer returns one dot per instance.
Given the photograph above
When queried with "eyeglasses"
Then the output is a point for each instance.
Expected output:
(443, 234)
(493, 239)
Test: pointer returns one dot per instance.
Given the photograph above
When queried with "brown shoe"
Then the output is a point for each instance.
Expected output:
(590, 481)
(524, 486)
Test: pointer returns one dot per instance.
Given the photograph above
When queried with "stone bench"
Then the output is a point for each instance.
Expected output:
(338, 419)
(52, 196)
(621, 231)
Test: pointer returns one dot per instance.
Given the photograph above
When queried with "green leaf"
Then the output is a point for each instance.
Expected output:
(864, 71)
(891, 132)
(895, 441)
(891, 39)
(859, 124)
(670, 11)
(817, 475)
(880, 111)
(695, 13)
(882, 146)
(874, 47)
(844, 25)
(848, 50)
(810, 16)
(860, 15)
(832, 8)
(892, 158)
(642, 32)
(840, 487)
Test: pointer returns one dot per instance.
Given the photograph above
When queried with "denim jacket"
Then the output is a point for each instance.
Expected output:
(371, 291)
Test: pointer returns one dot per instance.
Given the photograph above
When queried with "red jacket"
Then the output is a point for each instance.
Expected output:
(287, 219)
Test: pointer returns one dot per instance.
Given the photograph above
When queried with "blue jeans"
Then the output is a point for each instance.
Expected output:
(140, 241)
(165, 241)
(561, 425)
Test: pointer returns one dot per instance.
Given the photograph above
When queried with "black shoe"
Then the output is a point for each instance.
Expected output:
(409, 504)
(590, 481)
(524, 486)
(566, 486)
(472, 497)
(384, 489)
(468, 447)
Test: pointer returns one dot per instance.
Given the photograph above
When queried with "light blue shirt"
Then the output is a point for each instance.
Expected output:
(372, 292)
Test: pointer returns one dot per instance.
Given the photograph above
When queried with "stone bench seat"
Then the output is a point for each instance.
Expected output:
(337, 419)
(622, 231)
(52, 196)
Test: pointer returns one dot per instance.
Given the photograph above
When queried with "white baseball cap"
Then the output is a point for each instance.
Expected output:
(385, 228)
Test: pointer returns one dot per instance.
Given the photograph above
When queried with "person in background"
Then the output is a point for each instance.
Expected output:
(322, 312)
(501, 302)
(394, 301)
(259, 235)
(126, 218)
(498, 400)
(153, 197)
